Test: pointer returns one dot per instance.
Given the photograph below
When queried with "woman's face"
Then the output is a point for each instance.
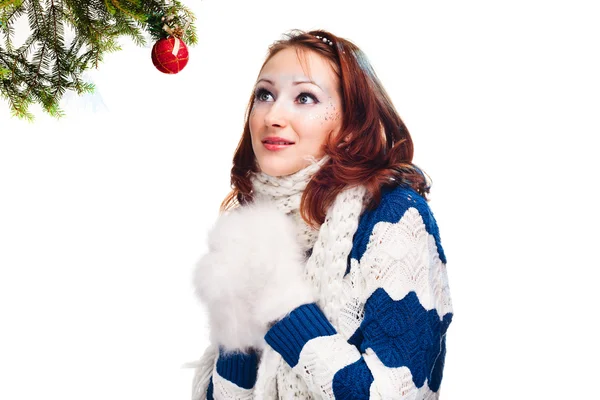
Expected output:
(293, 114)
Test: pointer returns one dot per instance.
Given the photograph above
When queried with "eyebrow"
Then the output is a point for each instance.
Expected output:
(293, 83)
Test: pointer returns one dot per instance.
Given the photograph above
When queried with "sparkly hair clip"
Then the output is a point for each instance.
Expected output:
(329, 42)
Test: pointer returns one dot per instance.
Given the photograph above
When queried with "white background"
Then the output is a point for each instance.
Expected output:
(104, 213)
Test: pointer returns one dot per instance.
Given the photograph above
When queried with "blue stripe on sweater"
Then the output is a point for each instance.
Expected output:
(403, 333)
(239, 368)
(209, 391)
(289, 335)
(394, 203)
(353, 381)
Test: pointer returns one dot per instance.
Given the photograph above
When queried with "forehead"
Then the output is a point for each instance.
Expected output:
(291, 63)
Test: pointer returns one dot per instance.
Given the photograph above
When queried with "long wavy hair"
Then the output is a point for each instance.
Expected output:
(372, 148)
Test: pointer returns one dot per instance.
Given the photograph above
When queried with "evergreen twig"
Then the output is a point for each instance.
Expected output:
(45, 66)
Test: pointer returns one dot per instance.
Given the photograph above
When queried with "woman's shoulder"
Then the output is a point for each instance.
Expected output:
(395, 204)
(395, 201)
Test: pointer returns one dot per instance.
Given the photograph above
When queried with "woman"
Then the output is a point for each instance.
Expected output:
(325, 276)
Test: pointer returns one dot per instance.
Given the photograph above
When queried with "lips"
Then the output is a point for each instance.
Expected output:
(275, 140)
(276, 143)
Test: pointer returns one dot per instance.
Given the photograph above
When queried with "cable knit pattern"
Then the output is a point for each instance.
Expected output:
(224, 389)
(327, 265)
(403, 333)
(286, 194)
(378, 328)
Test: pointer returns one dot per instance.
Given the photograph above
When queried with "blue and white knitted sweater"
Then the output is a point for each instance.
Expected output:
(402, 310)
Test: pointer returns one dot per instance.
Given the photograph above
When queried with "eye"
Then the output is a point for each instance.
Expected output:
(306, 95)
(261, 93)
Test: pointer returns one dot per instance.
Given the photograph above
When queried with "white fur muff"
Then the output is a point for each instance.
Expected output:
(253, 274)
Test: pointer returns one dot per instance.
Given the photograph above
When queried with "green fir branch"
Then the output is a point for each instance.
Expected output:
(45, 66)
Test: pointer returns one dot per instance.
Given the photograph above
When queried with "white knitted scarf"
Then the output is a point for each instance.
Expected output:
(325, 268)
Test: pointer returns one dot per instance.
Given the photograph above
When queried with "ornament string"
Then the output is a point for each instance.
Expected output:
(176, 33)
(176, 47)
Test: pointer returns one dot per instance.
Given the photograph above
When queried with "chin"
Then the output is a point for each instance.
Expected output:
(278, 168)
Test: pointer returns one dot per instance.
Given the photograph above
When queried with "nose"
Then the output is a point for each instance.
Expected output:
(276, 115)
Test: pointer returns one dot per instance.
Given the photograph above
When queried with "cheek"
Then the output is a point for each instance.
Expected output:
(315, 130)
(254, 120)
(326, 118)
(253, 112)
(311, 126)
(331, 114)
(326, 121)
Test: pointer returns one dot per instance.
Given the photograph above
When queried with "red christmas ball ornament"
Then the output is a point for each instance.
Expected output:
(170, 55)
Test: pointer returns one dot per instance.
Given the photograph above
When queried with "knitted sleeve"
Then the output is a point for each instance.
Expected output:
(233, 377)
(397, 308)
(221, 375)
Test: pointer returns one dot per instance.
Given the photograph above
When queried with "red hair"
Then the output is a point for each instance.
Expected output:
(373, 147)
